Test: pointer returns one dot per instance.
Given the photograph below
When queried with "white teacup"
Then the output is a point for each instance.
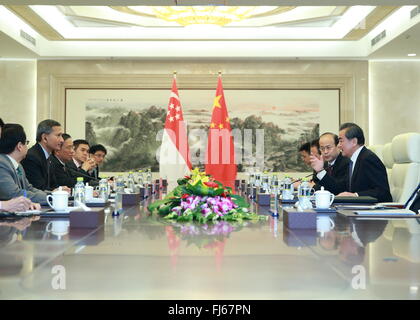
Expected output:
(323, 199)
(88, 193)
(58, 228)
(324, 224)
(59, 200)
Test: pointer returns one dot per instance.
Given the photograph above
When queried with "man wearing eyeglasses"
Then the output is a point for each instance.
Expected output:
(13, 182)
(331, 163)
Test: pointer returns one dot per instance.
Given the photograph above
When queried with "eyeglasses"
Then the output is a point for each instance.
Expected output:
(326, 148)
(27, 142)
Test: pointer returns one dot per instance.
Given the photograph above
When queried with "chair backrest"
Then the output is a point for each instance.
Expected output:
(388, 161)
(405, 175)
(377, 149)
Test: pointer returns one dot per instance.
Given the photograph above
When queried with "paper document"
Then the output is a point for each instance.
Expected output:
(390, 212)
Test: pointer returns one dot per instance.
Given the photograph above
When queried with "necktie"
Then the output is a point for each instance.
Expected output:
(329, 170)
(350, 173)
(19, 172)
(48, 172)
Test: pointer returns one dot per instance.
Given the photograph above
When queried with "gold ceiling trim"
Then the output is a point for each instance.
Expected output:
(278, 10)
(337, 14)
(36, 22)
(371, 21)
(272, 12)
(125, 9)
(43, 28)
(105, 21)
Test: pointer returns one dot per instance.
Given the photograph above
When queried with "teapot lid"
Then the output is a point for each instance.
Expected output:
(322, 190)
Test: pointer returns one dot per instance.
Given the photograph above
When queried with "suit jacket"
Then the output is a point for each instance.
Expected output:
(415, 206)
(38, 169)
(79, 172)
(11, 187)
(61, 173)
(369, 178)
(339, 174)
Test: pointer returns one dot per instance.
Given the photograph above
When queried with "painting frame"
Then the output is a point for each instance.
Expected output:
(334, 120)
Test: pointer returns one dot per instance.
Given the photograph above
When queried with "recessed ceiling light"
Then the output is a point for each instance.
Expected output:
(411, 54)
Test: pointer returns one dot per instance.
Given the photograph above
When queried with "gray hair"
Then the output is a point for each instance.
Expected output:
(45, 126)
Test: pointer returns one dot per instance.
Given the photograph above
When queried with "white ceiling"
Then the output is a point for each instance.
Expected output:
(318, 42)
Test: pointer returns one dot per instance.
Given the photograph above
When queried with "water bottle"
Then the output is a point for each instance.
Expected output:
(140, 180)
(288, 189)
(258, 180)
(119, 184)
(305, 191)
(149, 177)
(103, 189)
(130, 181)
(274, 184)
(79, 192)
(266, 182)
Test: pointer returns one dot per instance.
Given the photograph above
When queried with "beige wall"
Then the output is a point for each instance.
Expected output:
(18, 94)
(350, 76)
(394, 88)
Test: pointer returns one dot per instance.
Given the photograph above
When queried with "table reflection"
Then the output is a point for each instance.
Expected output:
(139, 255)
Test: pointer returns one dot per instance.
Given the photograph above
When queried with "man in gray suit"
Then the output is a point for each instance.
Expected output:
(13, 182)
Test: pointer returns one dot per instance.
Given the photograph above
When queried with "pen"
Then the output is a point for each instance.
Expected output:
(24, 193)
(302, 178)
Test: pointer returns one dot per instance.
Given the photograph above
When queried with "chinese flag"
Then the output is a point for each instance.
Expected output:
(220, 157)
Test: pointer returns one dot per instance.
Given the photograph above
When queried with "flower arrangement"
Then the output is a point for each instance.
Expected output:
(200, 198)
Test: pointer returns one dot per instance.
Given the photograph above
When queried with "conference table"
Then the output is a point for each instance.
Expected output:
(136, 255)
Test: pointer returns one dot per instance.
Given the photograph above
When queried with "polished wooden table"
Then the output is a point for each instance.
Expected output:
(139, 256)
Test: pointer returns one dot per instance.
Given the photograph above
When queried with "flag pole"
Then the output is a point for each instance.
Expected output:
(175, 74)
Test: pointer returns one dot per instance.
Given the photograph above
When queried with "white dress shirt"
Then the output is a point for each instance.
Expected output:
(323, 172)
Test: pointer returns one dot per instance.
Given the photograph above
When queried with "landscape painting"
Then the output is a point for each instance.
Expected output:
(128, 122)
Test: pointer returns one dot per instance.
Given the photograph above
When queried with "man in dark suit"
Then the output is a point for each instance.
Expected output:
(37, 163)
(1, 125)
(367, 173)
(305, 151)
(81, 163)
(98, 153)
(331, 162)
(59, 159)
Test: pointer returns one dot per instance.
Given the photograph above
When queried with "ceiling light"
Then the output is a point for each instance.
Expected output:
(216, 15)
(411, 54)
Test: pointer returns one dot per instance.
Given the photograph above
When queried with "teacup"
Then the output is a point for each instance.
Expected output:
(324, 224)
(58, 200)
(323, 199)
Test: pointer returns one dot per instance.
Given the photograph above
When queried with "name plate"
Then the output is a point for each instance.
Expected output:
(263, 199)
(131, 199)
(293, 219)
(87, 219)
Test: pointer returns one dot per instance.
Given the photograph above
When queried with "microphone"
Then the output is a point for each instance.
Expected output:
(81, 174)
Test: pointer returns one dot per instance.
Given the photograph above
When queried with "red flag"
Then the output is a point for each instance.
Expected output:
(220, 157)
(174, 160)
